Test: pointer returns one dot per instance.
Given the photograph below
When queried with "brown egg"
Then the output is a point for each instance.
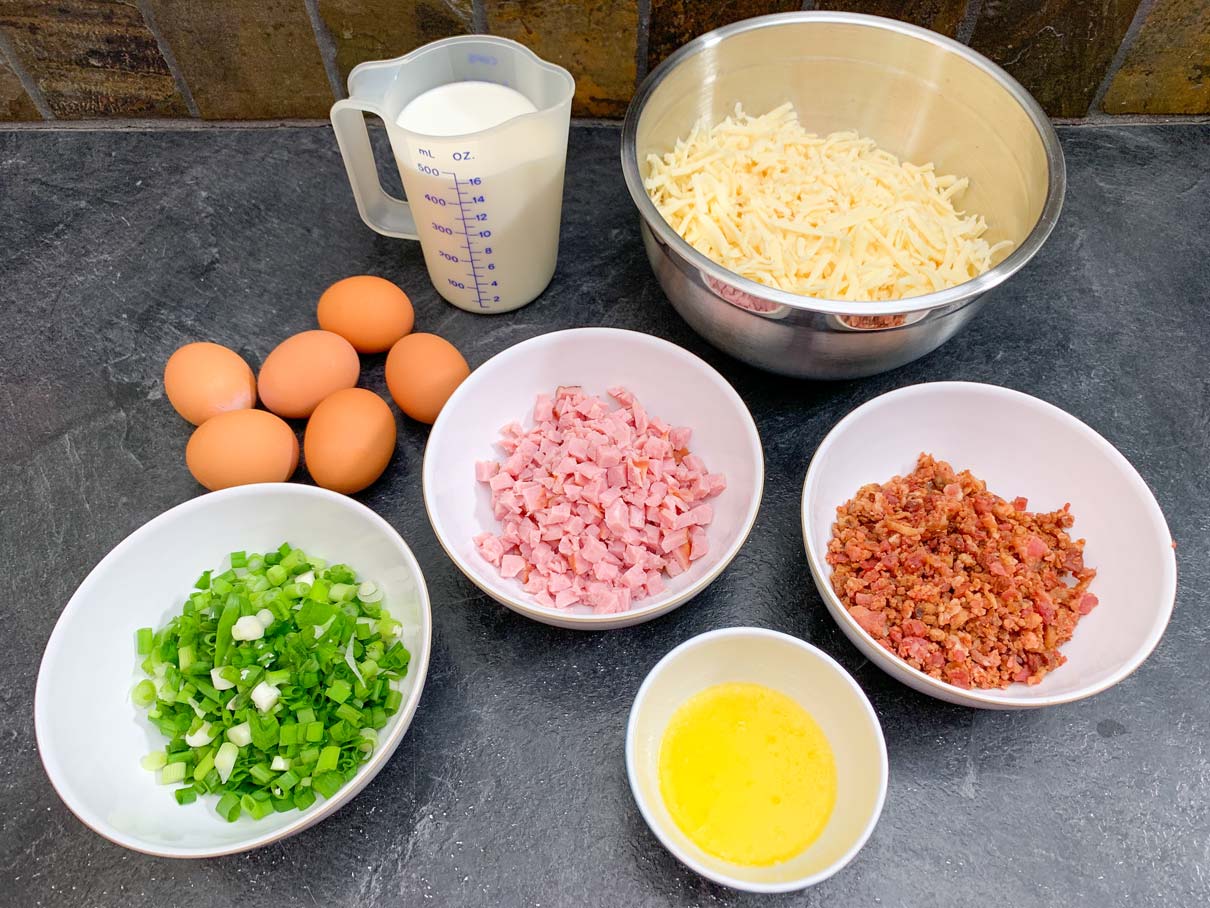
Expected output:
(243, 446)
(369, 312)
(349, 440)
(422, 372)
(304, 369)
(203, 380)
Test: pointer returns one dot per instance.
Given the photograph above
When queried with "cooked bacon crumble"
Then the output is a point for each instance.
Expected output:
(961, 584)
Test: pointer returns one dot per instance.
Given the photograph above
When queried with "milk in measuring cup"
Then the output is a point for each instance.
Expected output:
(488, 220)
(463, 107)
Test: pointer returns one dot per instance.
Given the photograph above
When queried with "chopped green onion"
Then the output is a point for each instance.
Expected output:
(269, 717)
(339, 691)
(314, 613)
(287, 780)
(240, 735)
(186, 795)
(143, 694)
(296, 590)
(342, 592)
(348, 713)
(228, 807)
(327, 758)
(222, 639)
(256, 807)
(224, 761)
(204, 765)
(327, 783)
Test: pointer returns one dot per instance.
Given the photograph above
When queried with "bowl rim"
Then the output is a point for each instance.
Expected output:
(1166, 597)
(960, 293)
(318, 812)
(673, 848)
(594, 621)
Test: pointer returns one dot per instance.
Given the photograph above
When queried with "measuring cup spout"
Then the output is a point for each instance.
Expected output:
(370, 84)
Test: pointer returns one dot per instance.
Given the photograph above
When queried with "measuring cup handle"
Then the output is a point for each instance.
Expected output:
(380, 210)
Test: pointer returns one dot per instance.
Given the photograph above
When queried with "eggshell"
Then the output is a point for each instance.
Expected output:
(369, 312)
(422, 372)
(203, 380)
(240, 447)
(304, 369)
(349, 440)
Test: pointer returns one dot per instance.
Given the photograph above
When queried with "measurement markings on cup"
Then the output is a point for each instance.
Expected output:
(468, 218)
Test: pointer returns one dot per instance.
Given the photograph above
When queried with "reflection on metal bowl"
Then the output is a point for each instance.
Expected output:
(919, 95)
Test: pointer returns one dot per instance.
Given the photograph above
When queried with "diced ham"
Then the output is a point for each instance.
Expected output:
(594, 504)
(655, 583)
(592, 550)
(490, 547)
(603, 570)
(694, 517)
(544, 410)
(672, 539)
(511, 566)
(617, 517)
(608, 456)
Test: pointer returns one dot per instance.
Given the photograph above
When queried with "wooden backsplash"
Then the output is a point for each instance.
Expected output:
(285, 59)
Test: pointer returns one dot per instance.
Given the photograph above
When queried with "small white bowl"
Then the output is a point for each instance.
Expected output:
(91, 736)
(670, 382)
(1018, 445)
(822, 688)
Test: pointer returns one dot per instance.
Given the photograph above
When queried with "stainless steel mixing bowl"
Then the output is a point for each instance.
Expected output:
(917, 94)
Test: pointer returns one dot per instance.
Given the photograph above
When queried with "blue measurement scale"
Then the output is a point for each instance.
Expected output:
(459, 215)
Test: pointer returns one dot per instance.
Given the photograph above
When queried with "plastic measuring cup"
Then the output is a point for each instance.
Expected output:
(485, 205)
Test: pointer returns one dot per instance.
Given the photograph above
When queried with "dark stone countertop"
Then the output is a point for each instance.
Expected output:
(510, 789)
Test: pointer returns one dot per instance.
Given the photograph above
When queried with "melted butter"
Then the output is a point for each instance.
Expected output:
(747, 774)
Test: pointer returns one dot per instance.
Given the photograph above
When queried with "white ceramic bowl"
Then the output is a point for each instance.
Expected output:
(671, 383)
(1018, 445)
(91, 736)
(822, 688)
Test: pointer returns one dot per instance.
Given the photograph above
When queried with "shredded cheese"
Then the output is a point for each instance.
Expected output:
(833, 217)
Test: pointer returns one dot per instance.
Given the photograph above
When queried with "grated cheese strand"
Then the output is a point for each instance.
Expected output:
(834, 217)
